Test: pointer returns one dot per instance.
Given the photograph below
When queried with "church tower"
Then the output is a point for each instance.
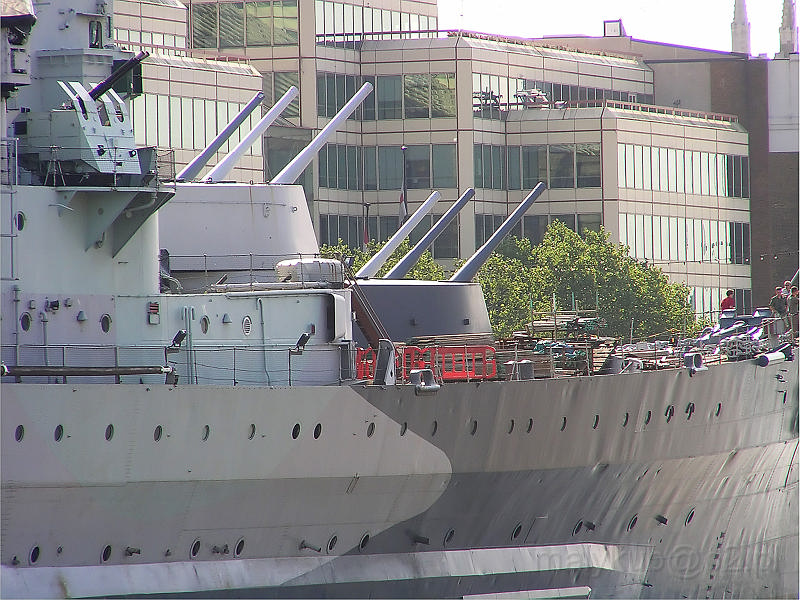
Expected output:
(788, 30)
(740, 28)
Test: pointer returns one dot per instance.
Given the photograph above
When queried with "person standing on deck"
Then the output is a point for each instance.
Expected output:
(728, 301)
(779, 306)
(794, 308)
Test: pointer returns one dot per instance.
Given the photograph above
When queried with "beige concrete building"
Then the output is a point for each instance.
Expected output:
(471, 110)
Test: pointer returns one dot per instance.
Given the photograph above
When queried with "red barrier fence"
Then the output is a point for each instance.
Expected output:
(448, 363)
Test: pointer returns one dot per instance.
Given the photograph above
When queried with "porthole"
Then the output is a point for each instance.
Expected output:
(530, 425)
(403, 428)
(434, 428)
(370, 429)
(34, 555)
(689, 517)
(596, 421)
(632, 522)
(296, 431)
(157, 433)
(669, 412)
(206, 432)
(106, 553)
(448, 537)
(625, 419)
(105, 323)
(247, 325)
(204, 323)
(252, 431)
(364, 541)
(239, 547)
(511, 426)
(648, 416)
(473, 427)
(19, 433)
(719, 409)
(58, 434)
(577, 529)
(19, 221)
(332, 543)
(109, 432)
(25, 321)
(195, 550)
(517, 531)
(563, 423)
(317, 431)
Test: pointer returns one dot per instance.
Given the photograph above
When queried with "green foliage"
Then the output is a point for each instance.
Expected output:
(426, 268)
(519, 278)
(589, 268)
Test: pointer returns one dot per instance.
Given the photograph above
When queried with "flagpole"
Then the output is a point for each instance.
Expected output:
(365, 215)
(404, 190)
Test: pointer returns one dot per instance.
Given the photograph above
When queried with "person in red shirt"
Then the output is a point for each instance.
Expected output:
(728, 301)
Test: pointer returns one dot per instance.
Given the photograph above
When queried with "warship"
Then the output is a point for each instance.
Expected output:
(239, 441)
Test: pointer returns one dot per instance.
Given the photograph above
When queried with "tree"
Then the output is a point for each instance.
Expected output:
(588, 268)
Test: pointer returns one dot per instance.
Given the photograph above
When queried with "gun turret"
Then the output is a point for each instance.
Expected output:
(107, 83)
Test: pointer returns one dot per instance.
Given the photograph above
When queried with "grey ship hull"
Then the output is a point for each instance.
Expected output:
(596, 496)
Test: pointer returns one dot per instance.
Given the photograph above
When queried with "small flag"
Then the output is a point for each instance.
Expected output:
(403, 207)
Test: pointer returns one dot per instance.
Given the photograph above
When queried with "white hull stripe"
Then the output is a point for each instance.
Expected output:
(177, 577)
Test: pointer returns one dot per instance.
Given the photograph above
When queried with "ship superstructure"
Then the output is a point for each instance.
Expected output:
(228, 441)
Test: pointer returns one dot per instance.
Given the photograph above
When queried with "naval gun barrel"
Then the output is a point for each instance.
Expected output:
(475, 262)
(191, 170)
(297, 165)
(120, 72)
(224, 166)
(406, 263)
(375, 263)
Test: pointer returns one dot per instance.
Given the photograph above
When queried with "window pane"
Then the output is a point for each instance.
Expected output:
(388, 226)
(514, 175)
(587, 157)
(745, 177)
(322, 159)
(477, 165)
(629, 170)
(370, 169)
(418, 167)
(498, 164)
(283, 81)
(647, 168)
(444, 166)
(390, 100)
(534, 227)
(368, 106)
(620, 166)
(352, 168)
(568, 220)
(672, 184)
(443, 95)
(416, 90)
(534, 166)
(321, 79)
(590, 221)
(259, 23)
(204, 25)
(341, 167)
(285, 22)
(231, 24)
(446, 245)
(637, 167)
(696, 177)
(561, 167)
(487, 166)
(390, 165)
